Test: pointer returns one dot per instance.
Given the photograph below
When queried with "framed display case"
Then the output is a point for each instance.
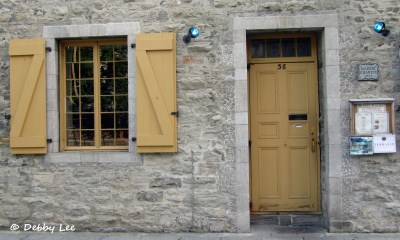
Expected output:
(372, 119)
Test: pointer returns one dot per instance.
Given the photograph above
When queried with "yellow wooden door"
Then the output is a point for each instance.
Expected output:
(284, 131)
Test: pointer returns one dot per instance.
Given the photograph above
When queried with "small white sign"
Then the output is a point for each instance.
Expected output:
(385, 143)
(368, 71)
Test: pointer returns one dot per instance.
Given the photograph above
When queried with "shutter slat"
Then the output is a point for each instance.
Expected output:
(154, 140)
(28, 142)
(21, 49)
(155, 45)
(27, 96)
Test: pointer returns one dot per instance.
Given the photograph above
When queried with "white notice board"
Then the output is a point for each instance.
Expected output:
(384, 143)
(372, 119)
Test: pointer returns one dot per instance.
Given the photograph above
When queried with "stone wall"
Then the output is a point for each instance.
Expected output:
(370, 187)
(195, 189)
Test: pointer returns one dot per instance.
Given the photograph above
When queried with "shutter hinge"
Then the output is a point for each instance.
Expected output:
(133, 139)
(7, 116)
(49, 140)
(248, 66)
(175, 114)
(250, 142)
(48, 49)
(251, 205)
(133, 45)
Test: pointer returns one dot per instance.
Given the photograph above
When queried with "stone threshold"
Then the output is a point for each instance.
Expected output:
(287, 219)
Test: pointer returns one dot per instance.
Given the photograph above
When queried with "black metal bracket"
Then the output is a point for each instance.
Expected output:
(133, 45)
(48, 49)
(133, 139)
(7, 116)
(175, 114)
(49, 140)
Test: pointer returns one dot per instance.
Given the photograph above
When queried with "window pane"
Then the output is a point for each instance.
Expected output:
(72, 104)
(107, 104)
(72, 54)
(86, 70)
(120, 52)
(121, 86)
(72, 88)
(87, 138)
(73, 138)
(107, 70)
(273, 48)
(257, 48)
(121, 103)
(87, 87)
(107, 87)
(87, 104)
(87, 121)
(73, 121)
(122, 138)
(86, 54)
(303, 47)
(106, 53)
(288, 47)
(107, 120)
(121, 120)
(107, 138)
(121, 69)
(72, 70)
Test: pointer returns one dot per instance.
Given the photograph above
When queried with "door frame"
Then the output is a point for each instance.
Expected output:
(326, 25)
(311, 59)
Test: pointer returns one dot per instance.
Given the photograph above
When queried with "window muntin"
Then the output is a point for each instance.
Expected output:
(94, 92)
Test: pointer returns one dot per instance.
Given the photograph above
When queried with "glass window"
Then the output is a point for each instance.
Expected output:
(304, 47)
(90, 123)
(288, 47)
(257, 48)
(273, 48)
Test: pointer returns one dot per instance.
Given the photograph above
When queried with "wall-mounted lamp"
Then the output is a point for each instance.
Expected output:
(380, 28)
(192, 33)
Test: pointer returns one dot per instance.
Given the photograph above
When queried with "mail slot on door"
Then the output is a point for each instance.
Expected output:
(297, 117)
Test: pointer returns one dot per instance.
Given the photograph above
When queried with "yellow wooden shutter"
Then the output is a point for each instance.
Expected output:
(156, 92)
(28, 96)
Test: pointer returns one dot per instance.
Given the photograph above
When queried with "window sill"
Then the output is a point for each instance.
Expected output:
(93, 157)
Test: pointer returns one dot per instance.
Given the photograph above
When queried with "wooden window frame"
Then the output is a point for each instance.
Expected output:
(95, 43)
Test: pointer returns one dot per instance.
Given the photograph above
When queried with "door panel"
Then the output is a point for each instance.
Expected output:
(299, 173)
(297, 91)
(268, 101)
(268, 130)
(270, 162)
(284, 159)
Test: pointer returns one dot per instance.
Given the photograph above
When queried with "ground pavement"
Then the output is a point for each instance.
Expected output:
(258, 232)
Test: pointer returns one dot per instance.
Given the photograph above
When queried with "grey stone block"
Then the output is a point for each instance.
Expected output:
(167, 182)
(149, 196)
